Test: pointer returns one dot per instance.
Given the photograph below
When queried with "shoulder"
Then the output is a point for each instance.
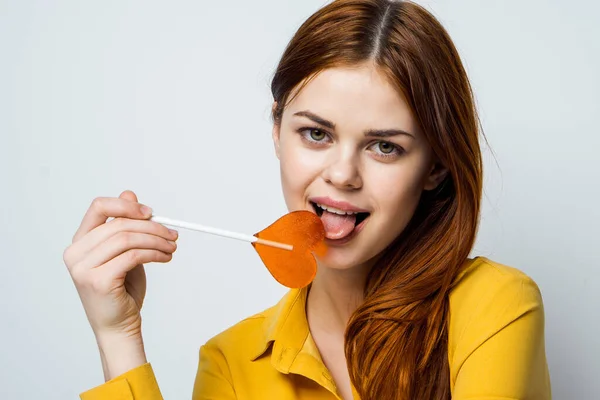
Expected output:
(249, 330)
(483, 278)
(249, 337)
(486, 297)
(227, 356)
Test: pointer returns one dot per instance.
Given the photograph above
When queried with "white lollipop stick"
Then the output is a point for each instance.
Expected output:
(219, 232)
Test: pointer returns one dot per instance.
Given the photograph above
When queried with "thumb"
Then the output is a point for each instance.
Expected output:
(129, 195)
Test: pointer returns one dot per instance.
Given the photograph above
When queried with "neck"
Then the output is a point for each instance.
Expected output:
(332, 298)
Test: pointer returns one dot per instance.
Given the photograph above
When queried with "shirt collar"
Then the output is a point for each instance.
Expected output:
(286, 333)
(285, 328)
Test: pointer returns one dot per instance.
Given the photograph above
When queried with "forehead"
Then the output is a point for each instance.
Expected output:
(358, 97)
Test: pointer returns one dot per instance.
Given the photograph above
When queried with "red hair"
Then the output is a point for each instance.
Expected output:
(397, 340)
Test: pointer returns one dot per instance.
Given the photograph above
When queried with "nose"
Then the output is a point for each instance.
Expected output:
(343, 171)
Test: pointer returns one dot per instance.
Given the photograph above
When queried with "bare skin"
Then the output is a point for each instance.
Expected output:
(106, 261)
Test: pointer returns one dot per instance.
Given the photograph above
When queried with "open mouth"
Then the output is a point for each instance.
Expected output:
(359, 219)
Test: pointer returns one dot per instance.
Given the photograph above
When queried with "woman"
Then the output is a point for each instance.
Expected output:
(376, 132)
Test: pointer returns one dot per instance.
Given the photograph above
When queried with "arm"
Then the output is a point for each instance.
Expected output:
(509, 361)
(120, 354)
(127, 373)
(106, 262)
(136, 384)
(213, 381)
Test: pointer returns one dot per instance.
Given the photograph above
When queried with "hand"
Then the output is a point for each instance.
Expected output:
(106, 261)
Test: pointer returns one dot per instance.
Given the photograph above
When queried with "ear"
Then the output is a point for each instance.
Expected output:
(436, 175)
(276, 132)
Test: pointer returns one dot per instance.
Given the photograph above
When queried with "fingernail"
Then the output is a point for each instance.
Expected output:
(173, 233)
(147, 211)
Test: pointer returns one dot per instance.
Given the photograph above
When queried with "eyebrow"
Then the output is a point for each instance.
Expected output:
(379, 133)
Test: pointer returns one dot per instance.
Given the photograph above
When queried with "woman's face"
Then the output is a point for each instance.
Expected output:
(349, 141)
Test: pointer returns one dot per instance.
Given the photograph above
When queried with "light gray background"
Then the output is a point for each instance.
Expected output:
(171, 100)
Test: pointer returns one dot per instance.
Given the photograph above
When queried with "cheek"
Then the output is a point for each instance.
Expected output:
(299, 169)
(398, 193)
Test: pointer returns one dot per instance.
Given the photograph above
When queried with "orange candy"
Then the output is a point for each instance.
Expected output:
(298, 267)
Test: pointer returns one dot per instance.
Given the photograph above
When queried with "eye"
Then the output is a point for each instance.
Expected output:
(316, 134)
(313, 135)
(387, 149)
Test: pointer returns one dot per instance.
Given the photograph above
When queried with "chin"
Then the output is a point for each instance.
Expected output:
(339, 259)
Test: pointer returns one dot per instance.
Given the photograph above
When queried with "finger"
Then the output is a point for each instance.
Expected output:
(109, 229)
(104, 207)
(129, 195)
(118, 267)
(102, 279)
(122, 242)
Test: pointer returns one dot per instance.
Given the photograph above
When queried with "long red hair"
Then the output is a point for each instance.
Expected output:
(397, 340)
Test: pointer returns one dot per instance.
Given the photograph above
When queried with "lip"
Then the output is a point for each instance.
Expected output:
(342, 205)
(339, 204)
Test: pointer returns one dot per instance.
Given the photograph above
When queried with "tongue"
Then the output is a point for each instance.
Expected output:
(337, 226)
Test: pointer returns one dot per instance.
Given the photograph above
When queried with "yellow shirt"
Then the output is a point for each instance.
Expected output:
(495, 348)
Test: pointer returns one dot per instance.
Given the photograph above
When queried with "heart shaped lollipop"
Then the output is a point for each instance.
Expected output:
(287, 247)
(305, 232)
